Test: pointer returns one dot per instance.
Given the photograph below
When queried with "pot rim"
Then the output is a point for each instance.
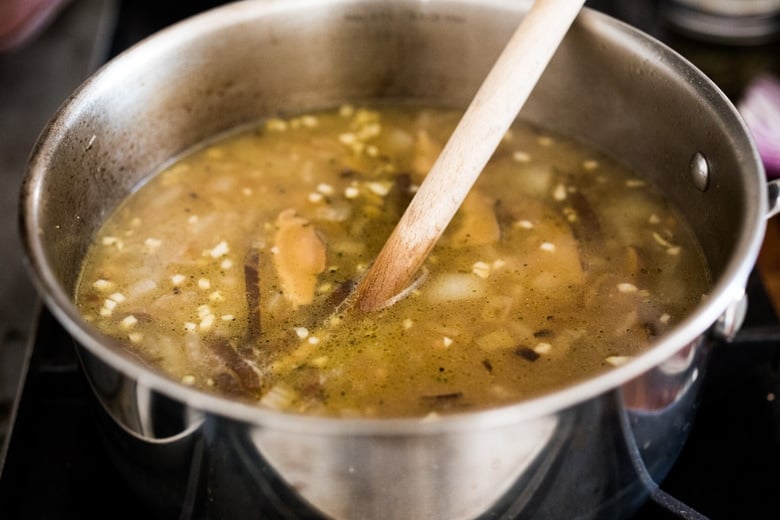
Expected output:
(728, 289)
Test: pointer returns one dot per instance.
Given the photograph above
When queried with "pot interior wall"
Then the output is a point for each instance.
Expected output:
(624, 95)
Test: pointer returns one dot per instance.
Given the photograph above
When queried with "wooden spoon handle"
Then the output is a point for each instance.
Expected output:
(486, 120)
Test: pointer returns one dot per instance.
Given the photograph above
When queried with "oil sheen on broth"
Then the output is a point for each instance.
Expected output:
(224, 270)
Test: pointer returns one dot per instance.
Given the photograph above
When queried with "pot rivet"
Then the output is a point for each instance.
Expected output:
(700, 171)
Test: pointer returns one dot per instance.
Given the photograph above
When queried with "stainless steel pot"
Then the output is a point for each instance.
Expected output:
(592, 449)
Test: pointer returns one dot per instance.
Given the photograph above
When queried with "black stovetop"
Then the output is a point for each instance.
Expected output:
(58, 467)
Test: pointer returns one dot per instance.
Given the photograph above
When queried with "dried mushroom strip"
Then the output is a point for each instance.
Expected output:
(585, 224)
(543, 333)
(254, 326)
(243, 370)
(338, 296)
(527, 353)
(227, 383)
(400, 194)
(444, 401)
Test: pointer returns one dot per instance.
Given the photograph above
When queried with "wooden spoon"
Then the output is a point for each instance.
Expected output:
(486, 120)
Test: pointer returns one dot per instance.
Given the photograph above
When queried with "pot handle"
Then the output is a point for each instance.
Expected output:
(729, 323)
(773, 188)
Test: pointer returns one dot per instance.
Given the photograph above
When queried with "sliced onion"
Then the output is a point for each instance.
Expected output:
(760, 107)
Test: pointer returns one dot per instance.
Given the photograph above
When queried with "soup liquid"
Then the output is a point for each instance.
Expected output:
(225, 271)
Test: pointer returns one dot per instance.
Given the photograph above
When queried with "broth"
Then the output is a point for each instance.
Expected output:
(225, 270)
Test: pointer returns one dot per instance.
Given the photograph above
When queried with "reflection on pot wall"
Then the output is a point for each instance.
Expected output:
(660, 406)
(458, 475)
(142, 412)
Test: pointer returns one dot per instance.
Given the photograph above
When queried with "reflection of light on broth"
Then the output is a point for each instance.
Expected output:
(560, 265)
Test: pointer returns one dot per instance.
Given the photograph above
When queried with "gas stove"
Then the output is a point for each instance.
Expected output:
(60, 464)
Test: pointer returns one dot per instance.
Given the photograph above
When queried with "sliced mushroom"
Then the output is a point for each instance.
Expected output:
(477, 224)
(426, 151)
(552, 251)
(300, 257)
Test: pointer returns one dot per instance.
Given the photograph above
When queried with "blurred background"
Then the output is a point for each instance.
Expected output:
(47, 48)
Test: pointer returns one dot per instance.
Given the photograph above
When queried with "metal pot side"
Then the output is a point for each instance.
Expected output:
(573, 453)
